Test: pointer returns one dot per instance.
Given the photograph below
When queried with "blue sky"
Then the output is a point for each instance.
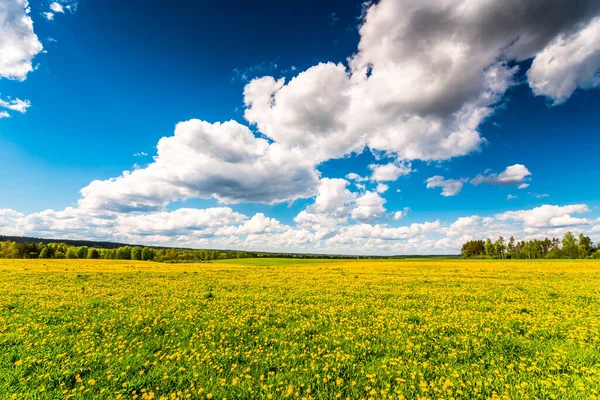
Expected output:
(437, 104)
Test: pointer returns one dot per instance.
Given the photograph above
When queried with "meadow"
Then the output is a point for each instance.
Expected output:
(306, 329)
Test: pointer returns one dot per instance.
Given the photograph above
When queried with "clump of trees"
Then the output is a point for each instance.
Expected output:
(11, 249)
(569, 247)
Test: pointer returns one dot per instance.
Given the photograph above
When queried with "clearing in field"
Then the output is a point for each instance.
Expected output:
(253, 329)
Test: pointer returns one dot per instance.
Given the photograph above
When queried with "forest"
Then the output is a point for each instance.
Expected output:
(28, 248)
(570, 247)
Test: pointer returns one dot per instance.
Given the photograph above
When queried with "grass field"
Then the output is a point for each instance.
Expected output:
(254, 329)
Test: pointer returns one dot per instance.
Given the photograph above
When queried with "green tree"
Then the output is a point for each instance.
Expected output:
(136, 253)
(489, 248)
(123, 253)
(147, 254)
(93, 254)
(72, 253)
(570, 249)
(45, 253)
(585, 246)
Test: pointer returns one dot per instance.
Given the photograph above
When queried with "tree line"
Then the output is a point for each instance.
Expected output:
(570, 247)
(22, 247)
(11, 249)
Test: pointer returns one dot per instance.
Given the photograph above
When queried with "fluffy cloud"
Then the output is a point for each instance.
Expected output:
(183, 221)
(222, 227)
(425, 76)
(15, 105)
(381, 188)
(450, 187)
(18, 42)
(389, 172)
(261, 224)
(368, 207)
(222, 160)
(398, 215)
(514, 175)
(333, 197)
(571, 61)
(548, 216)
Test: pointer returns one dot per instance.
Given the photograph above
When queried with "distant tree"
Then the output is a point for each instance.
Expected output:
(136, 253)
(489, 248)
(82, 252)
(585, 246)
(147, 254)
(93, 254)
(570, 249)
(45, 253)
(72, 253)
(473, 248)
(123, 253)
(499, 248)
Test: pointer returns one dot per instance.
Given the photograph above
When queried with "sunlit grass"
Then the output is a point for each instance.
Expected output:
(249, 329)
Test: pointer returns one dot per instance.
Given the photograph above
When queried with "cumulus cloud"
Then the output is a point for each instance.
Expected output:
(398, 215)
(224, 161)
(450, 187)
(222, 227)
(184, 221)
(18, 42)
(547, 216)
(570, 61)
(381, 188)
(369, 206)
(333, 197)
(514, 175)
(389, 172)
(425, 76)
(4, 114)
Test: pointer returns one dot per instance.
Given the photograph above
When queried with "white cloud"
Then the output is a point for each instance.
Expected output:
(18, 105)
(511, 197)
(450, 187)
(260, 224)
(381, 188)
(18, 42)
(183, 221)
(4, 114)
(570, 61)
(355, 177)
(222, 227)
(48, 15)
(57, 7)
(425, 76)
(398, 215)
(514, 175)
(548, 216)
(389, 172)
(368, 207)
(333, 197)
(222, 160)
